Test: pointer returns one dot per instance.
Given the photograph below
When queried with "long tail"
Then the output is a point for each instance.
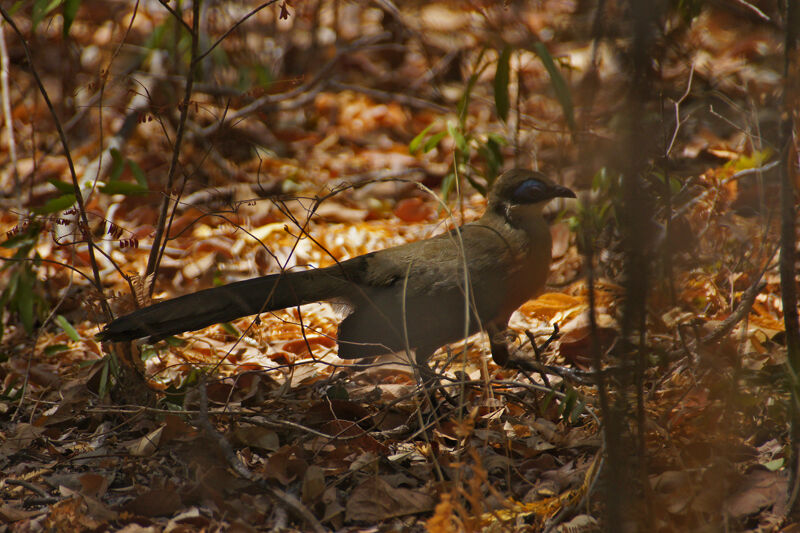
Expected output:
(223, 304)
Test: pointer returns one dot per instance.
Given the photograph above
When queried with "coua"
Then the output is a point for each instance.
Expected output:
(420, 295)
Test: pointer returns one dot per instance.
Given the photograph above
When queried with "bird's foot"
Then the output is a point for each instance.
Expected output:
(526, 365)
(432, 383)
(539, 350)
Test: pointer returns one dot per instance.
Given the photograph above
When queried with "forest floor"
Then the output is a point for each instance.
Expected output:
(319, 131)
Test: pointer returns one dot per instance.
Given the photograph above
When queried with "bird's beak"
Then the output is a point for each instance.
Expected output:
(559, 191)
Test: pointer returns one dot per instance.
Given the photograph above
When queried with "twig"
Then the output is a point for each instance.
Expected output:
(232, 28)
(157, 251)
(741, 311)
(753, 9)
(12, 147)
(83, 221)
(28, 485)
(678, 120)
(386, 96)
(788, 255)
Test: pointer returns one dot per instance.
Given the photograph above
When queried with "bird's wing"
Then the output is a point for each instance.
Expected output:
(433, 264)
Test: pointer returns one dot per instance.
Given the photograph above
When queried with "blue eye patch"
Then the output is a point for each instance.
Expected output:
(531, 191)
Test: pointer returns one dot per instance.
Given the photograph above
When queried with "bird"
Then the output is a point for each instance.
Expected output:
(416, 297)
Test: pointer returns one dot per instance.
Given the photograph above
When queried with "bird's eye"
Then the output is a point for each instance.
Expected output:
(530, 191)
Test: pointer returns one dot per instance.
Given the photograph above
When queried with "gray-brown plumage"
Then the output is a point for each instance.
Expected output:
(412, 295)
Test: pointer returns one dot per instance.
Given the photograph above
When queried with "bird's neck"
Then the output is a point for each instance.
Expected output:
(527, 217)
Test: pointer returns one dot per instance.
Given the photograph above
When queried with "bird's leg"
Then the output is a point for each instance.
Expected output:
(526, 366)
(430, 380)
(538, 350)
(497, 341)
(500, 353)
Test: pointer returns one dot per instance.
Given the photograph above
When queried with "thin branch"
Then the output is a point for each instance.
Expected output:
(12, 147)
(232, 28)
(157, 252)
(83, 221)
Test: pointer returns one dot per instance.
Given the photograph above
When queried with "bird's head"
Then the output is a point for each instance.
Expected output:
(521, 188)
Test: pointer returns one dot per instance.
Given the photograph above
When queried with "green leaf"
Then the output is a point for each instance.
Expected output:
(463, 103)
(548, 398)
(576, 412)
(54, 349)
(18, 4)
(601, 180)
(67, 327)
(478, 186)
(675, 186)
(458, 137)
(138, 173)
(70, 9)
(433, 141)
(172, 340)
(62, 186)
(501, 100)
(337, 392)
(12, 383)
(263, 75)
(497, 139)
(558, 83)
(774, 465)
(40, 9)
(231, 330)
(447, 184)
(55, 205)
(117, 165)
(102, 388)
(491, 154)
(124, 187)
(148, 351)
(24, 301)
(415, 143)
(11, 289)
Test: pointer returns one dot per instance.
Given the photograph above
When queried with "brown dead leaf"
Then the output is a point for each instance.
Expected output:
(331, 409)
(146, 445)
(576, 342)
(157, 502)
(9, 514)
(553, 305)
(285, 465)
(313, 484)
(375, 501)
(23, 436)
(331, 211)
(760, 489)
(74, 397)
(676, 489)
(176, 428)
(580, 524)
(94, 485)
(413, 210)
(89, 510)
(356, 438)
(257, 437)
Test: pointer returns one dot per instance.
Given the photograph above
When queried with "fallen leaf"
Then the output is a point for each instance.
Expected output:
(158, 502)
(146, 445)
(313, 484)
(760, 489)
(375, 501)
(257, 437)
(413, 210)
